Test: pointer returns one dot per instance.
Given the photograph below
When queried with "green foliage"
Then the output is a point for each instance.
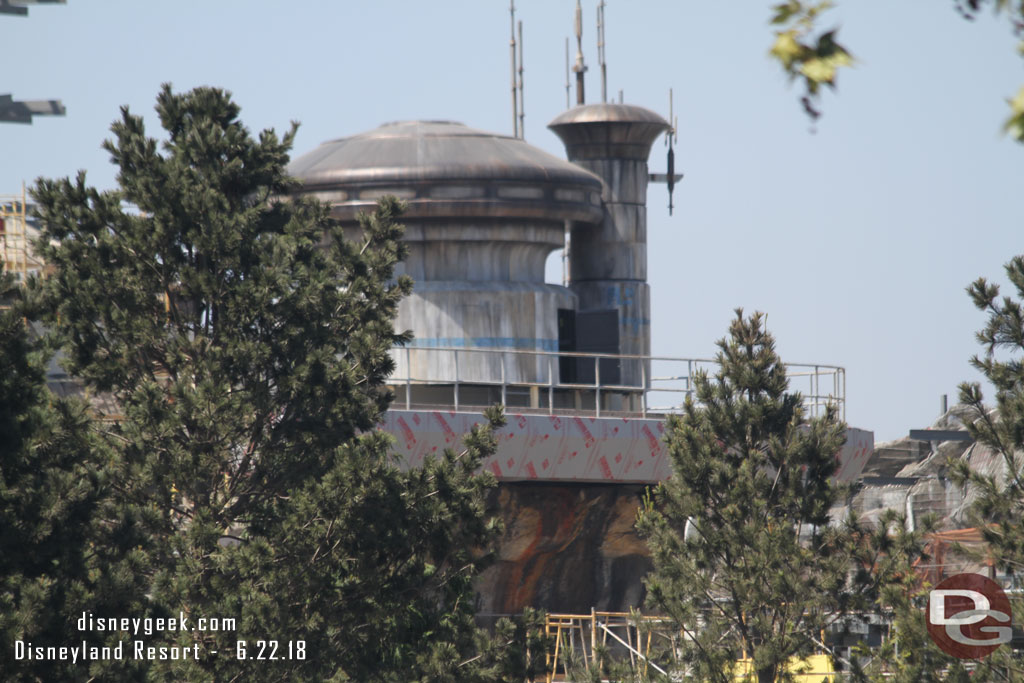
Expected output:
(885, 558)
(999, 508)
(814, 57)
(383, 560)
(517, 651)
(56, 559)
(750, 475)
(244, 339)
(806, 54)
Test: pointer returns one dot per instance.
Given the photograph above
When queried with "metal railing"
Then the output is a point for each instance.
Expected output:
(650, 384)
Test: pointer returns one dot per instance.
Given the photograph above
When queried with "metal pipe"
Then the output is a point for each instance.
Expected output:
(565, 245)
(597, 385)
(408, 378)
(600, 51)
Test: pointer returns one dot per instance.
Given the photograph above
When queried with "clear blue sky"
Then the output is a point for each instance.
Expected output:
(857, 240)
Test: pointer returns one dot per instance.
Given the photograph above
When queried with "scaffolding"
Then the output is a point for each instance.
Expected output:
(579, 640)
(649, 643)
(14, 236)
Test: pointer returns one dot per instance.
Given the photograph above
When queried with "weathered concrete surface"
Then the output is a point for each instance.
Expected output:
(566, 548)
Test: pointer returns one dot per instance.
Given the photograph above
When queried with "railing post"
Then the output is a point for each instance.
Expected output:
(456, 380)
(817, 390)
(408, 378)
(504, 383)
(689, 376)
(551, 388)
(597, 386)
(835, 385)
(593, 635)
(844, 394)
(643, 388)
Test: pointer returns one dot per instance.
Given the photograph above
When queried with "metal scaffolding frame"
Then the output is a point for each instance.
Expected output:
(14, 245)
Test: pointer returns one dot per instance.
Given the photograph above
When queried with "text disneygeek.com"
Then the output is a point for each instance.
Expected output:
(140, 649)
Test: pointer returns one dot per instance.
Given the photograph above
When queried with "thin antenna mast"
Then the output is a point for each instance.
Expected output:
(512, 49)
(671, 177)
(600, 51)
(567, 105)
(580, 67)
(670, 140)
(522, 97)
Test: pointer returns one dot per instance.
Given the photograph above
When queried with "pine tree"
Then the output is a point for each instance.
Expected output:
(887, 559)
(244, 339)
(999, 508)
(745, 560)
(56, 560)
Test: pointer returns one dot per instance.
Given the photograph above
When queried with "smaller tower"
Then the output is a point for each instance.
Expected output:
(608, 262)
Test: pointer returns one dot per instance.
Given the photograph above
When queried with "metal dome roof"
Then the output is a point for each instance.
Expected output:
(444, 168)
(608, 130)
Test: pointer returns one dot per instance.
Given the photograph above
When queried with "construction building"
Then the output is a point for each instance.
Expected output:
(586, 400)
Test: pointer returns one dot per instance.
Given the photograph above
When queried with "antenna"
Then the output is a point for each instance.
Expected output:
(522, 98)
(567, 105)
(512, 49)
(671, 177)
(670, 141)
(580, 67)
(600, 50)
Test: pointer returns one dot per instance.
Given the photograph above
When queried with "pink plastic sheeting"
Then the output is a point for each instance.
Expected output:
(561, 448)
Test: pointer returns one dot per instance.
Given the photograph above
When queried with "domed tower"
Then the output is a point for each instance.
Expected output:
(484, 212)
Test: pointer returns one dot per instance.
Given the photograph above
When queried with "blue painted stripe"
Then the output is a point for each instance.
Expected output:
(634, 323)
(487, 343)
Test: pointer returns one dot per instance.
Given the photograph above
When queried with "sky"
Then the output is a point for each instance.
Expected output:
(856, 238)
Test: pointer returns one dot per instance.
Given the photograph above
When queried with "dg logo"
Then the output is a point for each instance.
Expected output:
(969, 616)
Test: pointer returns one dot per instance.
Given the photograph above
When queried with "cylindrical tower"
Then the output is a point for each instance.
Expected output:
(484, 212)
(608, 262)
